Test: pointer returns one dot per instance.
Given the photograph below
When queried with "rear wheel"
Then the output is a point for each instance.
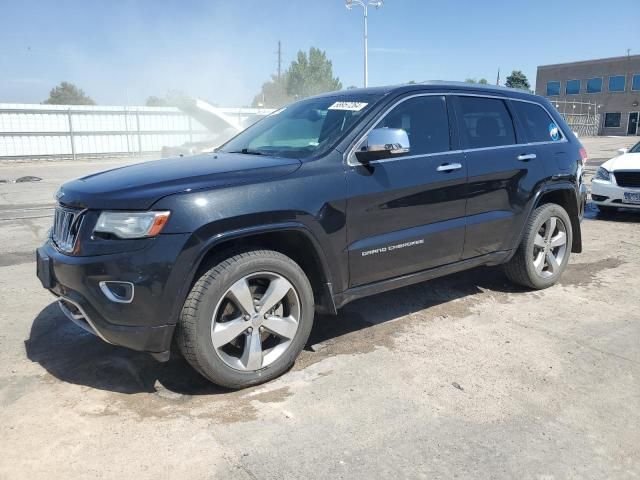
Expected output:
(246, 320)
(544, 251)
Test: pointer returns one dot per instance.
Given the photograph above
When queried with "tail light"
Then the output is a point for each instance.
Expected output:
(583, 156)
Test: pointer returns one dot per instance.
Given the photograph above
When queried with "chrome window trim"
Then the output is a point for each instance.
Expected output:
(349, 156)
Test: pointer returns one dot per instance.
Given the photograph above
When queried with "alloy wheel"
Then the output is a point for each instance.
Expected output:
(550, 247)
(255, 321)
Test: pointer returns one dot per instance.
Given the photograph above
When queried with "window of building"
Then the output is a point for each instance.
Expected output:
(540, 127)
(594, 85)
(617, 83)
(553, 89)
(635, 82)
(572, 87)
(485, 122)
(612, 120)
(426, 122)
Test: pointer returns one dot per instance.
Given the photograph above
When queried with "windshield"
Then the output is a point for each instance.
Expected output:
(302, 129)
(635, 148)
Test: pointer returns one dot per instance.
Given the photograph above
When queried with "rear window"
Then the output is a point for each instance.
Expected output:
(486, 122)
(539, 126)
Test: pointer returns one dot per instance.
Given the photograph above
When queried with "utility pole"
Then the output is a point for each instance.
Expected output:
(279, 59)
(365, 4)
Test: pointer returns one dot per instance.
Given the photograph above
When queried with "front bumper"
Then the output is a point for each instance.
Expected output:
(147, 322)
(608, 194)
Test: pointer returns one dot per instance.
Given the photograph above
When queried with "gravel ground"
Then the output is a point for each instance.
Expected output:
(465, 376)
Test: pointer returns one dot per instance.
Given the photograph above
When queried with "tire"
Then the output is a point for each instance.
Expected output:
(235, 297)
(530, 266)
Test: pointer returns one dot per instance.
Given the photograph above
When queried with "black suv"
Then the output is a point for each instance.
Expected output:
(229, 255)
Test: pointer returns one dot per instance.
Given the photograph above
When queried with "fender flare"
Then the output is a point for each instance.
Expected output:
(206, 245)
(548, 187)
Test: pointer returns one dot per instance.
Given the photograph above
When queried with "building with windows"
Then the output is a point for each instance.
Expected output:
(608, 88)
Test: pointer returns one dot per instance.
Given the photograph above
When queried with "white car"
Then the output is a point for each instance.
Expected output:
(617, 182)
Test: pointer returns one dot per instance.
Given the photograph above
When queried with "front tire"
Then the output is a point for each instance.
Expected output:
(247, 319)
(544, 251)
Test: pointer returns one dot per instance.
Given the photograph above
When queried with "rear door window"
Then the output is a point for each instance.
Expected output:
(485, 122)
(538, 125)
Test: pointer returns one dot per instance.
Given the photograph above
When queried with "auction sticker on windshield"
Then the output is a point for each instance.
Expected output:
(349, 106)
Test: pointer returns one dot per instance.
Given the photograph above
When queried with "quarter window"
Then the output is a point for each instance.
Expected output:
(594, 85)
(635, 83)
(617, 83)
(540, 127)
(426, 122)
(485, 122)
(612, 120)
(553, 89)
(572, 87)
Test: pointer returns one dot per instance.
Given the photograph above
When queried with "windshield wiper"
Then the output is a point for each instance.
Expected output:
(248, 151)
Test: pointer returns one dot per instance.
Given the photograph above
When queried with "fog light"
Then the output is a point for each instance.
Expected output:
(119, 292)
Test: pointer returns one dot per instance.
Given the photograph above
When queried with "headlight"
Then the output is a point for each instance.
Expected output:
(132, 224)
(603, 174)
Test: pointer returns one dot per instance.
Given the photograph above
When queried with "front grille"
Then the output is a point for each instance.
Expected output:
(66, 224)
(628, 179)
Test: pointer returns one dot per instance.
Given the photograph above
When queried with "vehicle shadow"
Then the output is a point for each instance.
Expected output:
(622, 215)
(72, 355)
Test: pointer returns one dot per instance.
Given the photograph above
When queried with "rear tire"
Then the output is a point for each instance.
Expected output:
(247, 319)
(544, 251)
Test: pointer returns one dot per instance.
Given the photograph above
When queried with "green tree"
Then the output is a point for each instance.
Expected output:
(311, 74)
(307, 75)
(482, 81)
(517, 79)
(68, 94)
(273, 93)
(154, 101)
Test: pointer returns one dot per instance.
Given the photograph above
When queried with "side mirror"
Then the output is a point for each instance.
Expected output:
(383, 143)
(622, 151)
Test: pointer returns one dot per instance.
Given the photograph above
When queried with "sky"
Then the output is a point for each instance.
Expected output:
(122, 51)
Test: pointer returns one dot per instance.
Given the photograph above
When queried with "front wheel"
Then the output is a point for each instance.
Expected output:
(544, 251)
(246, 320)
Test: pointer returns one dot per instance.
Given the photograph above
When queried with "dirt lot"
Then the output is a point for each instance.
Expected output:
(465, 376)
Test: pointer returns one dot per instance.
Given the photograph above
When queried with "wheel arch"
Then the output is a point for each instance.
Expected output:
(294, 240)
(563, 194)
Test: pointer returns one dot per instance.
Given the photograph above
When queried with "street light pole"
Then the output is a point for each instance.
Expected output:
(365, 4)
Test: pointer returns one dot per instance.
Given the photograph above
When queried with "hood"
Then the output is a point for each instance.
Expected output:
(628, 161)
(137, 187)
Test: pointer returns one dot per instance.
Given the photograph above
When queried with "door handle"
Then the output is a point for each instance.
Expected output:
(449, 167)
(527, 157)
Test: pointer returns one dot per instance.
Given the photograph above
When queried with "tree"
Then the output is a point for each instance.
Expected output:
(273, 93)
(307, 75)
(173, 98)
(154, 101)
(68, 94)
(517, 79)
(482, 81)
(311, 75)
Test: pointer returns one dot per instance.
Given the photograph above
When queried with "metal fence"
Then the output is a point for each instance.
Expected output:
(583, 117)
(63, 131)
